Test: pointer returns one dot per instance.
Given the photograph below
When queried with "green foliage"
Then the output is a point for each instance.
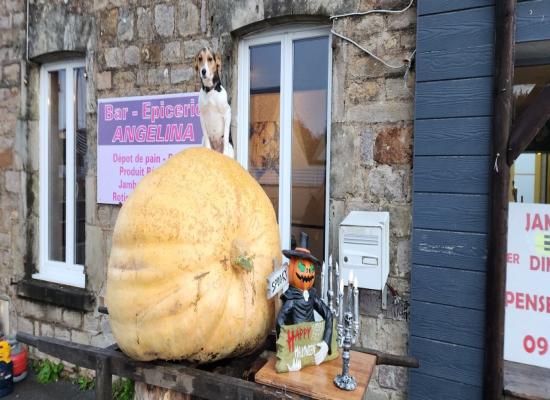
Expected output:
(123, 389)
(84, 382)
(48, 371)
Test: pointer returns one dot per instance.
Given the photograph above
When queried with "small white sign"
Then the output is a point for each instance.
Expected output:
(277, 281)
(527, 323)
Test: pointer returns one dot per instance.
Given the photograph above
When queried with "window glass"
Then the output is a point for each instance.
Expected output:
(309, 137)
(265, 75)
(56, 165)
(530, 173)
(81, 147)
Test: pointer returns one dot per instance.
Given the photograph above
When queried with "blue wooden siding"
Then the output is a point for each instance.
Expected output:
(453, 129)
(453, 126)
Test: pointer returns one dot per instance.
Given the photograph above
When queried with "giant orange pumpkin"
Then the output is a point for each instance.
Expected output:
(192, 248)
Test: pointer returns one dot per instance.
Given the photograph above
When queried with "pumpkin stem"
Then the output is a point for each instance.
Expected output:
(240, 257)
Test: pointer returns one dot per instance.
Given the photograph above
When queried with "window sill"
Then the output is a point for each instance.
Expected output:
(524, 381)
(59, 295)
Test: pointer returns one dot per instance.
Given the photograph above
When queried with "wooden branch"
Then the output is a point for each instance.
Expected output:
(390, 359)
(505, 20)
(529, 124)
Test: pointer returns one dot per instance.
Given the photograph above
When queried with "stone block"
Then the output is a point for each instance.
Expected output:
(158, 76)
(5, 23)
(400, 220)
(367, 148)
(13, 181)
(380, 112)
(61, 333)
(90, 323)
(192, 47)
(25, 325)
(144, 23)
(387, 185)
(32, 309)
(53, 313)
(72, 319)
(391, 377)
(394, 145)
(179, 75)
(164, 20)
(131, 55)
(125, 29)
(103, 80)
(401, 21)
(46, 329)
(399, 89)
(151, 53)
(80, 337)
(344, 145)
(11, 73)
(113, 57)
(108, 24)
(5, 242)
(189, 17)
(171, 53)
(124, 79)
(18, 19)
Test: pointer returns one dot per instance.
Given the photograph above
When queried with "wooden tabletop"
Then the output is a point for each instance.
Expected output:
(317, 381)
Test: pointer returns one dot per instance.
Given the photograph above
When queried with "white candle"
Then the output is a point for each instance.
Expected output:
(350, 291)
(341, 302)
(356, 300)
(323, 291)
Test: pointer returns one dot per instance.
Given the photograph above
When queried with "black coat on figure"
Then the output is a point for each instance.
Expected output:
(296, 310)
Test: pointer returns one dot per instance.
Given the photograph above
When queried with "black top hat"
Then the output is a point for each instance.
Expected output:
(302, 250)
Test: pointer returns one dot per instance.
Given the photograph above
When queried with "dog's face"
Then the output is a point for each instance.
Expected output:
(208, 66)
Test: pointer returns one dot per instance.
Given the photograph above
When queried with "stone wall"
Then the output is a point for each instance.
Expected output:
(146, 47)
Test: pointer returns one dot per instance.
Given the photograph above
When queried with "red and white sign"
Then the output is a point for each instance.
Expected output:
(527, 326)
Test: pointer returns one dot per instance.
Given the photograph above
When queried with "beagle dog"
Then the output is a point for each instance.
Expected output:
(213, 106)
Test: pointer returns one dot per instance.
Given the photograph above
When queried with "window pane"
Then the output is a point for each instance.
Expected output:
(56, 165)
(309, 137)
(265, 73)
(81, 146)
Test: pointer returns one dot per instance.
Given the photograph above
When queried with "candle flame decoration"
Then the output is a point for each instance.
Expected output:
(347, 317)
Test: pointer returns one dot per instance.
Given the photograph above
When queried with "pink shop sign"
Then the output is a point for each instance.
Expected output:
(135, 135)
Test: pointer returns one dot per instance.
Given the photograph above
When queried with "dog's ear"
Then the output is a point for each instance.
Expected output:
(218, 59)
(197, 62)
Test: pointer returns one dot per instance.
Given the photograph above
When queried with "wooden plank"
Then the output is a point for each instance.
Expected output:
(426, 387)
(452, 287)
(451, 212)
(103, 379)
(438, 6)
(179, 377)
(452, 174)
(317, 382)
(450, 249)
(453, 136)
(455, 30)
(449, 361)
(505, 21)
(458, 325)
(526, 381)
(454, 98)
(533, 22)
(455, 63)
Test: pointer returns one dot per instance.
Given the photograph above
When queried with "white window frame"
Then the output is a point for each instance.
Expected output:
(67, 273)
(285, 36)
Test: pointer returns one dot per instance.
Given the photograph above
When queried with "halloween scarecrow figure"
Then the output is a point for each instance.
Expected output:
(300, 299)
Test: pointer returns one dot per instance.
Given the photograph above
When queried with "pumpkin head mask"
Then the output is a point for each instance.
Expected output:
(301, 269)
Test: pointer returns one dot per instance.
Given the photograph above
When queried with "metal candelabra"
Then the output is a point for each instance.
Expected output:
(347, 327)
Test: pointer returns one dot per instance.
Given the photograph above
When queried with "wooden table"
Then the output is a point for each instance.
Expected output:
(317, 381)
